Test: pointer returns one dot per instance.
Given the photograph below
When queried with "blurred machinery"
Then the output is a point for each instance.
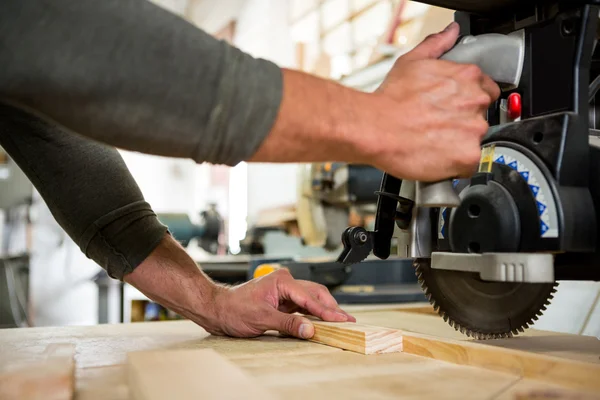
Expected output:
(207, 233)
(332, 196)
(329, 194)
(15, 199)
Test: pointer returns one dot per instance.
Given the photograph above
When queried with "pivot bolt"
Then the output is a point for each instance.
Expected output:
(361, 237)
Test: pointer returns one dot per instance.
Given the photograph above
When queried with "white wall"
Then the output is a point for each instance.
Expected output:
(60, 286)
(574, 309)
(262, 30)
(169, 184)
(213, 15)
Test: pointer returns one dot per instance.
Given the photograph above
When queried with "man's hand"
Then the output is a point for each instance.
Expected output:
(266, 303)
(171, 278)
(440, 113)
(424, 123)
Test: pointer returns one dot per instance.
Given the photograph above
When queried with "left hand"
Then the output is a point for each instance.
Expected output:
(267, 303)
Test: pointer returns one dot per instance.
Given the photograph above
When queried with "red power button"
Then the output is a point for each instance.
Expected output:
(514, 106)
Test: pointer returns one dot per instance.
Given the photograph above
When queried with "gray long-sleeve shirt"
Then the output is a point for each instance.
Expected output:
(123, 73)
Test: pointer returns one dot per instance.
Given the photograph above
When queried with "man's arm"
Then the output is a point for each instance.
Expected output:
(88, 189)
(170, 277)
(94, 198)
(130, 74)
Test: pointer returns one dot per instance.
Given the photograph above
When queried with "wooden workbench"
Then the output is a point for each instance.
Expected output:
(296, 369)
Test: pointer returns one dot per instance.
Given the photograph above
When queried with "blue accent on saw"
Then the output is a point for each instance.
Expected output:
(541, 207)
(501, 160)
(534, 189)
(543, 227)
(525, 175)
(444, 214)
(513, 165)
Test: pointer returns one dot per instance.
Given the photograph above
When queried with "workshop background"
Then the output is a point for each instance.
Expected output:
(353, 41)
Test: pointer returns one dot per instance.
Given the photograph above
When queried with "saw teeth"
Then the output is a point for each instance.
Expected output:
(478, 335)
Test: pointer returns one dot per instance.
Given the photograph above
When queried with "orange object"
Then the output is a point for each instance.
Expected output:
(265, 269)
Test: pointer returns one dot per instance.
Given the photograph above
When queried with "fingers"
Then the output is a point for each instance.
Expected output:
(289, 289)
(322, 294)
(490, 87)
(434, 46)
(292, 325)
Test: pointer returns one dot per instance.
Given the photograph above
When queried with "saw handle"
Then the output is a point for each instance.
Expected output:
(501, 58)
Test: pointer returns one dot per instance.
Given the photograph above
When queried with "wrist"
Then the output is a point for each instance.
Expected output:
(168, 276)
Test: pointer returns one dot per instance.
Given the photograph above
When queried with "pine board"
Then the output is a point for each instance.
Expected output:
(296, 369)
(567, 371)
(574, 347)
(189, 375)
(50, 377)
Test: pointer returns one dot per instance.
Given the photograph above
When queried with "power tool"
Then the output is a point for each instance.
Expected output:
(489, 250)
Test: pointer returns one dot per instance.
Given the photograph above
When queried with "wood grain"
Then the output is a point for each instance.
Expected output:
(348, 375)
(574, 347)
(299, 369)
(364, 339)
(51, 377)
(188, 374)
(566, 372)
(531, 389)
(569, 360)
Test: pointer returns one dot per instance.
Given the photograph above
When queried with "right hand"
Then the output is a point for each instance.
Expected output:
(432, 113)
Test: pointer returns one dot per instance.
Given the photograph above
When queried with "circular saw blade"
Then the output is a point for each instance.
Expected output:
(479, 309)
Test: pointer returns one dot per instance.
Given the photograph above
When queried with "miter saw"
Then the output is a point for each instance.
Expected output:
(488, 250)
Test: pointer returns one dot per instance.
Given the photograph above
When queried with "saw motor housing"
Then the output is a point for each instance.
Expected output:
(488, 261)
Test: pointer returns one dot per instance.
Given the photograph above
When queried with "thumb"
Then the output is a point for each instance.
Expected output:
(293, 325)
(434, 46)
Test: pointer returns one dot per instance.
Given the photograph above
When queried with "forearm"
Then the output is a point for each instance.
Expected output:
(171, 278)
(319, 120)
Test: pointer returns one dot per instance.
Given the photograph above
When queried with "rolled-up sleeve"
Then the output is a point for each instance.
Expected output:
(132, 75)
(88, 189)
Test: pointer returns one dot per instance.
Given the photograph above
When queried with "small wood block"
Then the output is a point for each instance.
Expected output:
(189, 374)
(364, 339)
(51, 378)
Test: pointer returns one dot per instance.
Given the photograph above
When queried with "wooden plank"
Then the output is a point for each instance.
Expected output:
(568, 373)
(532, 389)
(368, 339)
(364, 339)
(349, 375)
(188, 374)
(574, 347)
(51, 377)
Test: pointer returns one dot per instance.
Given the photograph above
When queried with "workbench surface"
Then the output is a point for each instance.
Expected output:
(297, 369)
